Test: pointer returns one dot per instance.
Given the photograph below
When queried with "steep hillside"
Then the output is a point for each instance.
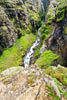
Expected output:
(17, 18)
(57, 41)
(52, 52)
(33, 49)
(53, 32)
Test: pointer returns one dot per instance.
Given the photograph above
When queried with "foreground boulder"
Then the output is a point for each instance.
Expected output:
(27, 84)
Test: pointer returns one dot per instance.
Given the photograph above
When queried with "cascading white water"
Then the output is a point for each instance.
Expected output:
(31, 51)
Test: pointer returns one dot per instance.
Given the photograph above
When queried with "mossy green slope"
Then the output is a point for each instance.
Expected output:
(46, 59)
(13, 56)
(60, 73)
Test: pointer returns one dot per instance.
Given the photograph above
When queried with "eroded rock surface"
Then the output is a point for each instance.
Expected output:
(27, 84)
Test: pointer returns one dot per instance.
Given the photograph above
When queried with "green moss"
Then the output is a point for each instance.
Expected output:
(60, 73)
(19, 8)
(37, 52)
(60, 14)
(28, 30)
(62, 4)
(57, 13)
(32, 12)
(34, 15)
(45, 31)
(4, 0)
(60, 87)
(21, 31)
(13, 20)
(46, 59)
(13, 56)
(61, 18)
(66, 31)
(30, 82)
(63, 92)
(60, 10)
(51, 15)
(32, 76)
(4, 28)
(7, 81)
(52, 94)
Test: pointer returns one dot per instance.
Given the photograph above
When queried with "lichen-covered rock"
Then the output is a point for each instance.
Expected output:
(8, 34)
(28, 84)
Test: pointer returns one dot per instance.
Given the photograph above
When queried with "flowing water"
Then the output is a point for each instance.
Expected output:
(32, 51)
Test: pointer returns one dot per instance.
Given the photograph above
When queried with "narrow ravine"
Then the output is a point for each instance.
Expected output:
(31, 51)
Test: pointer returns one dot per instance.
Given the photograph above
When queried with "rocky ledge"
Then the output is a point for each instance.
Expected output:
(27, 84)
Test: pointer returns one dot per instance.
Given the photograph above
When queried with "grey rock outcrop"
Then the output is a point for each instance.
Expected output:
(27, 84)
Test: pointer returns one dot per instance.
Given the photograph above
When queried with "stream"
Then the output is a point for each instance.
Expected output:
(31, 51)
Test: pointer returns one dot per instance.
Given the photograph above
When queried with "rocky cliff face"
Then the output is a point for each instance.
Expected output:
(16, 16)
(8, 34)
(57, 19)
(19, 18)
(57, 41)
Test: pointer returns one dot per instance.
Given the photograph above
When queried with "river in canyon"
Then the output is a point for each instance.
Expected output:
(30, 53)
(32, 50)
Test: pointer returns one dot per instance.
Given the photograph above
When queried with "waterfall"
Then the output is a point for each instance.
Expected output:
(31, 52)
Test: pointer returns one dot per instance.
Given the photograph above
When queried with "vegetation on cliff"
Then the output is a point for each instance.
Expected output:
(14, 56)
(19, 22)
(54, 33)
(46, 59)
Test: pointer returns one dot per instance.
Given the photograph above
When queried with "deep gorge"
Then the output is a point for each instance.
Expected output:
(33, 49)
(27, 59)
